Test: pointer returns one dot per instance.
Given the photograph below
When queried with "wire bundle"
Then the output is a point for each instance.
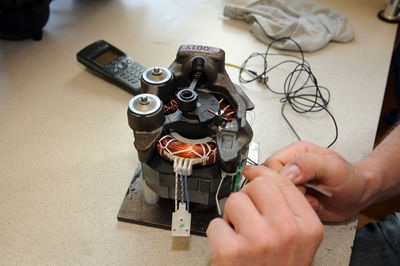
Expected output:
(300, 89)
(182, 173)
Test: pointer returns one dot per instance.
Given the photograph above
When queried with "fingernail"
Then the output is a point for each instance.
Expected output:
(291, 172)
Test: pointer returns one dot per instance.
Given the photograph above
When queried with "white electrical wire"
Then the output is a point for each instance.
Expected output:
(217, 193)
(320, 190)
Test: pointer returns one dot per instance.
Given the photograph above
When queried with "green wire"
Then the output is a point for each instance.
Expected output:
(236, 187)
(236, 182)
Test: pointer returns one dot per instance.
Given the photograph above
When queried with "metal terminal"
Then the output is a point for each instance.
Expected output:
(263, 79)
(195, 80)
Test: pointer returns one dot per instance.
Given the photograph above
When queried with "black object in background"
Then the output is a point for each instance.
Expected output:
(111, 63)
(21, 19)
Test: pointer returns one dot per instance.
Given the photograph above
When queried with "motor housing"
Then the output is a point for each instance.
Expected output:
(191, 120)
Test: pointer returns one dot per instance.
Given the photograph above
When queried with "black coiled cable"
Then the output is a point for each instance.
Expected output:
(303, 95)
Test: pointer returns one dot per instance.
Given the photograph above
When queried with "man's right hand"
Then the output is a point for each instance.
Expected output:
(304, 162)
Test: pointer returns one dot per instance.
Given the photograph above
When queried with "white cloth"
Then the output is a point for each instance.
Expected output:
(311, 25)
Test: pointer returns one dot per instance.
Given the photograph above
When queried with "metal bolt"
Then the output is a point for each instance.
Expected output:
(156, 71)
(144, 100)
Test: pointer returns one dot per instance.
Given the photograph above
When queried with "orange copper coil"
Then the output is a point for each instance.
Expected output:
(201, 153)
(228, 111)
(170, 105)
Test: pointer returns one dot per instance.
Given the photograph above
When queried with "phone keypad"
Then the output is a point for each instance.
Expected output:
(127, 70)
(132, 73)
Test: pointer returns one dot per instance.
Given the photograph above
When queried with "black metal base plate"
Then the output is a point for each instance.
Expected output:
(135, 210)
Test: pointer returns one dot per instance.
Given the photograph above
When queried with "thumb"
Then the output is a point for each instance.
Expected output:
(312, 167)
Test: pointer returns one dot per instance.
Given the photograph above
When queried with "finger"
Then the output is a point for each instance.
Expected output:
(253, 171)
(263, 191)
(238, 206)
(302, 189)
(327, 212)
(321, 169)
(220, 234)
(294, 199)
(282, 157)
(314, 203)
(265, 194)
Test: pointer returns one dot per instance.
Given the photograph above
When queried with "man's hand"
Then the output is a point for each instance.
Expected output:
(304, 162)
(269, 222)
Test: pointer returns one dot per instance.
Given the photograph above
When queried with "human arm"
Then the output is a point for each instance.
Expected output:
(269, 222)
(383, 165)
(353, 186)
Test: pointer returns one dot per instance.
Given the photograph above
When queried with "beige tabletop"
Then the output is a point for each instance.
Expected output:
(66, 148)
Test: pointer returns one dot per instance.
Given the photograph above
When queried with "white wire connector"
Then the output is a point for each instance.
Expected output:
(181, 220)
(183, 164)
(182, 168)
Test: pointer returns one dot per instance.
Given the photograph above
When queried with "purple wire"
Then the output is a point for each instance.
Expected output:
(186, 191)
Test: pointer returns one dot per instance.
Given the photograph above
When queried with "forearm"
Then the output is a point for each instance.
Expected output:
(382, 169)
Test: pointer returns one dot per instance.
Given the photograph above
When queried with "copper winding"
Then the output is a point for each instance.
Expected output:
(228, 111)
(205, 153)
(170, 106)
(202, 153)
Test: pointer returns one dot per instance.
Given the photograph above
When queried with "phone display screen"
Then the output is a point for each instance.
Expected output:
(106, 57)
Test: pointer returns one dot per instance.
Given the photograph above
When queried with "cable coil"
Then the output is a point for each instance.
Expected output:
(301, 90)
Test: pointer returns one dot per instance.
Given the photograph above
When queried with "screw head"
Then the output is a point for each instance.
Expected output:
(144, 100)
(156, 71)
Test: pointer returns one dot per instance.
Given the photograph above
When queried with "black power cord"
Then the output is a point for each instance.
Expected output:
(300, 89)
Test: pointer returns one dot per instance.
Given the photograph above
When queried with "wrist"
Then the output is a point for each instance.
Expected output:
(372, 179)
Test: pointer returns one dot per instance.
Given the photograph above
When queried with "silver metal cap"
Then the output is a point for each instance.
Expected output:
(156, 75)
(145, 104)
